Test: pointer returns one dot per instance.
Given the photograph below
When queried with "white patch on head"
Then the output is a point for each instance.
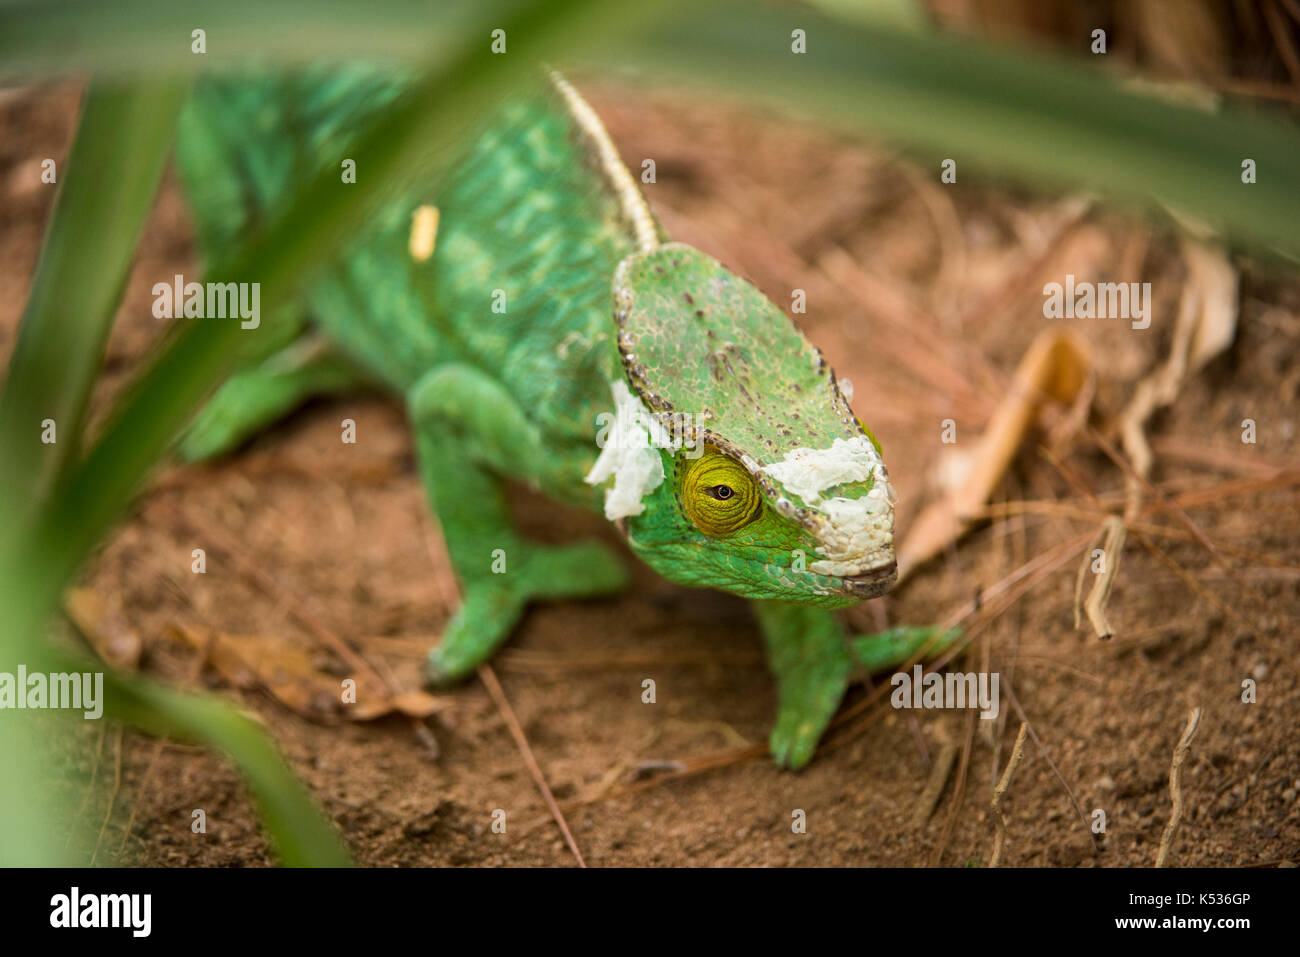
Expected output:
(630, 454)
(861, 531)
(809, 472)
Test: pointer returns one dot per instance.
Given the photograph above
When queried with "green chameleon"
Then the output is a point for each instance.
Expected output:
(542, 327)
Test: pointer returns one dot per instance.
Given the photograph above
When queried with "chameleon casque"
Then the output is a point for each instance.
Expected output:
(607, 337)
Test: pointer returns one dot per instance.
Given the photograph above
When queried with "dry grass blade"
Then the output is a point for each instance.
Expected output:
(1113, 535)
(934, 785)
(1074, 800)
(1207, 323)
(1228, 459)
(958, 791)
(112, 798)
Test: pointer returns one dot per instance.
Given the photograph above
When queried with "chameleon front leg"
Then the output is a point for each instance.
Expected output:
(812, 659)
(266, 391)
(470, 432)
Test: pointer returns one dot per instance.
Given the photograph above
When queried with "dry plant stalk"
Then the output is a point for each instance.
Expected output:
(1017, 753)
(1176, 785)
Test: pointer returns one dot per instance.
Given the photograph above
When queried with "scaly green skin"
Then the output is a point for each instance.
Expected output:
(540, 211)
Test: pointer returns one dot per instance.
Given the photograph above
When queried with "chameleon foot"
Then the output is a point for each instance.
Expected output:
(812, 660)
(494, 603)
(807, 653)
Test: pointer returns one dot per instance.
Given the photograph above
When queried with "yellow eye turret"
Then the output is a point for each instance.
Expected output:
(718, 494)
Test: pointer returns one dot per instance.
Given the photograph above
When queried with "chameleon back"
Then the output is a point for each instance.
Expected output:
(528, 236)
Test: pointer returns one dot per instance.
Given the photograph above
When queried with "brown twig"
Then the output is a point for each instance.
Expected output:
(1113, 534)
(1017, 752)
(489, 679)
(1074, 800)
(1216, 555)
(1176, 785)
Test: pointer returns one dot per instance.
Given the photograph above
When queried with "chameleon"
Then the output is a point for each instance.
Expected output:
(541, 327)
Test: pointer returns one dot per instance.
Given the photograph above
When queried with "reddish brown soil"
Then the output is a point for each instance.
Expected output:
(345, 533)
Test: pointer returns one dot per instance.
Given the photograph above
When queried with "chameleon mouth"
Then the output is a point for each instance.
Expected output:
(873, 582)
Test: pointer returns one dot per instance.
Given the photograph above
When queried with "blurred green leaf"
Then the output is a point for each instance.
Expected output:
(1045, 119)
(106, 189)
(39, 37)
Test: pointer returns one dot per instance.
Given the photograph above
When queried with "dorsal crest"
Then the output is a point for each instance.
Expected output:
(643, 230)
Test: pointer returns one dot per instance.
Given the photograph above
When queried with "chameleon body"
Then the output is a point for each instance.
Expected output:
(541, 326)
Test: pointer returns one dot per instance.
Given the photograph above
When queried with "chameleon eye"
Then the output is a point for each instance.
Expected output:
(718, 495)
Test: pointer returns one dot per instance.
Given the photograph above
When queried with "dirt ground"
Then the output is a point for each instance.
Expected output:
(301, 527)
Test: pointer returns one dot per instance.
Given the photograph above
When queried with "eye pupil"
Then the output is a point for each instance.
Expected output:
(717, 494)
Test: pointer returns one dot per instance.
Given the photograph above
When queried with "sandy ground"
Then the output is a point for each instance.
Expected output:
(312, 529)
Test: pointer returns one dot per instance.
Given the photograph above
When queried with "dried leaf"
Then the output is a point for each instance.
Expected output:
(289, 674)
(413, 703)
(267, 661)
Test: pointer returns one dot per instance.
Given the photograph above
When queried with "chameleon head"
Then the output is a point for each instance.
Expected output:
(735, 458)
